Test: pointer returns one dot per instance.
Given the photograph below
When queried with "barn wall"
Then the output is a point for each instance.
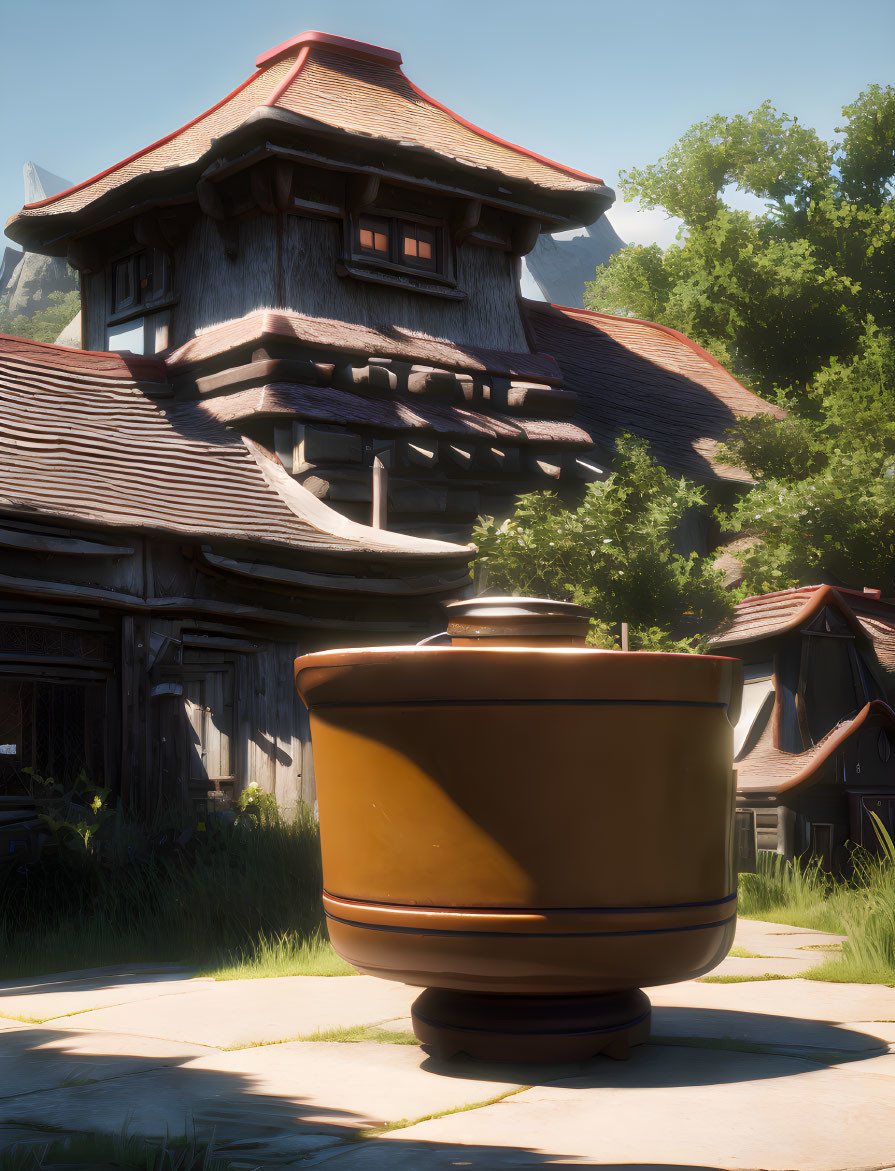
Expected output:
(211, 286)
(488, 317)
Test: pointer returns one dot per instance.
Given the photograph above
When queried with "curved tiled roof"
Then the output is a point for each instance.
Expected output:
(82, 438)
(767, 769)
(331, 85)
(766, 615)
(330, 405)
(352, 337)
(648, 380)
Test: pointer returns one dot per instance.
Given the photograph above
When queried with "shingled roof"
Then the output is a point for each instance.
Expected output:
(648, 380)
(767, 769)
(329, 334)
(328, 86)
(84, 437)
(767, 615)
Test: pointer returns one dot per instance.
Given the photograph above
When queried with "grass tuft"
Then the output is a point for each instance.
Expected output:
(861, 906)
(403, 1123)
(235, 901)
(98, 1152)
(287, 954)
(744, 979)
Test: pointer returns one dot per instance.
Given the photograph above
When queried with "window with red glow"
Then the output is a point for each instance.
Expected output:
(373, 236)
(402, 243)
(418, 246)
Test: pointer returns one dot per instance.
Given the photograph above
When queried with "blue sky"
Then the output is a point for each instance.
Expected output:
(596, 86)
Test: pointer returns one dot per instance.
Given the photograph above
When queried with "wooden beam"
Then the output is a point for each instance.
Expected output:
(361, 191)
(148, 232)
(212, 204)
(283, 175)
(84, 255)
(210, 200)
(42, 543)
(466, 219)
(261, 180)
(525, 236)
(32, 587)
(380, 495)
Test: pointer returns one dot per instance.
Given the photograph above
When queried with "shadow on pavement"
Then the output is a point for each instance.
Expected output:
(693, 1047)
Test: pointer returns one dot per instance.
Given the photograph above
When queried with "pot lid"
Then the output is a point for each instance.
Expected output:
(532, 609)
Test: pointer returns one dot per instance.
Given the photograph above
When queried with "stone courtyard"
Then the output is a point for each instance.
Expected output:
(777, 1074)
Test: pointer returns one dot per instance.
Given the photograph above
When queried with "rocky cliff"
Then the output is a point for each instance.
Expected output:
(560, 267)
(26, 279)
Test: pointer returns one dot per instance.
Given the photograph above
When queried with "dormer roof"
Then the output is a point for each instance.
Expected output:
(771, 615)
(95, 438)
(335, 95)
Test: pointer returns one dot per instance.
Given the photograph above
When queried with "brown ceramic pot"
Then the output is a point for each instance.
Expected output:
(531, 834)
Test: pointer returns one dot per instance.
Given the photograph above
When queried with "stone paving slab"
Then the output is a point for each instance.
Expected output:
(232, 1013)
(36, 1058)
(779, 939)
(794, 999)
(42, 998)
(277, 1102)
(670, 1107)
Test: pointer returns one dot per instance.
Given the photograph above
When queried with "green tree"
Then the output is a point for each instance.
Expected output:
(615, 552)
(823, 507)
(46, 324)
(774, 296)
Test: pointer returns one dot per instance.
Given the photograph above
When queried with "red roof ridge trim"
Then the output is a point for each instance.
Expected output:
(675, 333)
(146, 149)
(872, 595)
(20, 346)
(341, 44)
(501, 141)
(826, 746)
(289, 78)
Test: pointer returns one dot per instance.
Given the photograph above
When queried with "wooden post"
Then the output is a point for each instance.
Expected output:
(624, 636)
(380, 494)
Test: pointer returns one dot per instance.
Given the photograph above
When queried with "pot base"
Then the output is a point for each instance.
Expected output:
(531, 1028)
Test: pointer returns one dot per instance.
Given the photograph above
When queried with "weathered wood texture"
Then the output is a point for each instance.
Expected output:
(212, 288)
(97, 311)
(488, 317)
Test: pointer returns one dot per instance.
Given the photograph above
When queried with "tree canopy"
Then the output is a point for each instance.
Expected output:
(615, 552)
(773, 296)
(799, 302)
(45, 325)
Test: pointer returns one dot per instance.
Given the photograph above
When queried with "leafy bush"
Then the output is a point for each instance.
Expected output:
(45, 325)
(208, 893)
(860, 906)
(615, 552)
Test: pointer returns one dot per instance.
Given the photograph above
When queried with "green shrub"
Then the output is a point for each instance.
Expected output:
(203, 893)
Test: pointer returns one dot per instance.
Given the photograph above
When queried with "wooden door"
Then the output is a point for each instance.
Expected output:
(208, 704)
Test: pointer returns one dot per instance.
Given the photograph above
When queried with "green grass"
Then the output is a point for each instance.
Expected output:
(96, 1152)
(352, 1034)
(343, 1034)
(288, 954)
(743, 979)
(238, 902)
(740, 953)
(860, 906)
(403, 1123)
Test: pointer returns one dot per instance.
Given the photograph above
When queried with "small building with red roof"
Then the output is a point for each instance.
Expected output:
(306, 369)
(815, 741)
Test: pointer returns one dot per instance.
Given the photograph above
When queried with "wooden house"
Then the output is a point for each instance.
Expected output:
(310, 287)
(815, 743)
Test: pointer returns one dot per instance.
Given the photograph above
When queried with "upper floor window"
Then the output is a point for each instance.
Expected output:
(140, 279)
(403, 243)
